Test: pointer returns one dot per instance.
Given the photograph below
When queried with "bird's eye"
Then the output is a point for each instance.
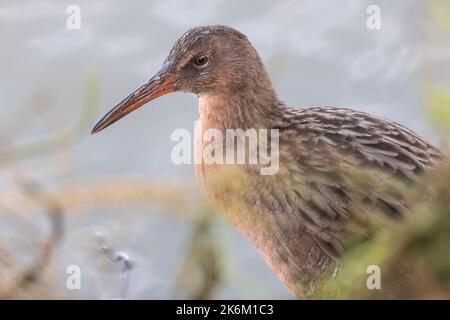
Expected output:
(201, 61)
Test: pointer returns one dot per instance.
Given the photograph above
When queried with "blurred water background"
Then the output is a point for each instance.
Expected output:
(55, 82)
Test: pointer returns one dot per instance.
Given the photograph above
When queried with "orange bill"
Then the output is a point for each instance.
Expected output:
(159, 85)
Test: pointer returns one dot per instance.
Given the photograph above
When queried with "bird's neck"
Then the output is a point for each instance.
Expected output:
(252, 202)
(249, 108)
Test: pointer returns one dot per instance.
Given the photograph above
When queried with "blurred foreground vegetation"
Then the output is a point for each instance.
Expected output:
(413, 255)
(27, 277)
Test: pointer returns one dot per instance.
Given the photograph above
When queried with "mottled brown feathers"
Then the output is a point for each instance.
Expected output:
(329, 147)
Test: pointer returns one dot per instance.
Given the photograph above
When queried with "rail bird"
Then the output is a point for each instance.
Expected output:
(301, 217)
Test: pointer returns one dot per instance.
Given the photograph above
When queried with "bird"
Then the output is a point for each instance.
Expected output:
(301, 218)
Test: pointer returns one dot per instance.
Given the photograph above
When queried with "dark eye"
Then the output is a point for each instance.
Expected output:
(201, 61)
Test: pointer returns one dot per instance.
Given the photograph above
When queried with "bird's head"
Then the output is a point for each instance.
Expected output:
(204, 60)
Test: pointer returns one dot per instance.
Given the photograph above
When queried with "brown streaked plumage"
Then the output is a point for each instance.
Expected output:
(299, 219)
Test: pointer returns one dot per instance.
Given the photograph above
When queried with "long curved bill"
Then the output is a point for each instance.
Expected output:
(160, 84)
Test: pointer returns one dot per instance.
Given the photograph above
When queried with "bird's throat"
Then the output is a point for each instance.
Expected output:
(238, 111)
